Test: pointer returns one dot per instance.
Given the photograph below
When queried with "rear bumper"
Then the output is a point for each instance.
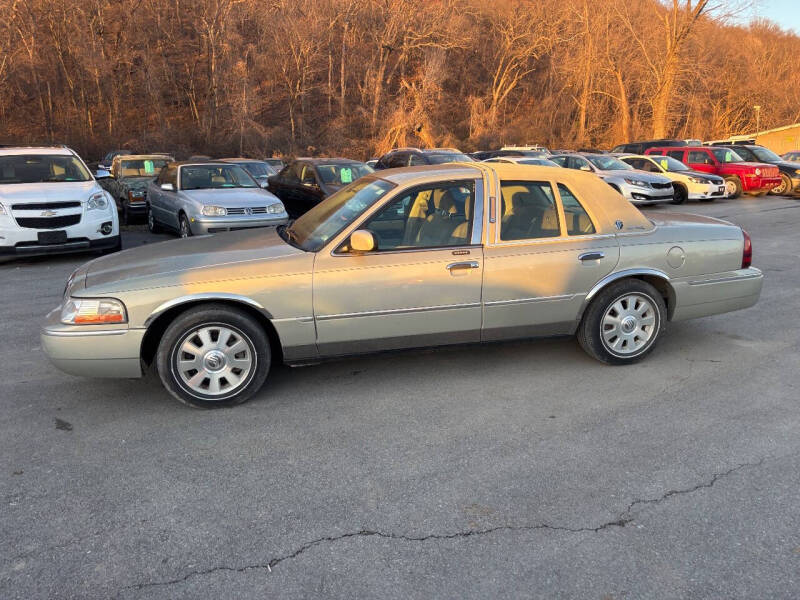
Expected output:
(715, 294)
(96, 352)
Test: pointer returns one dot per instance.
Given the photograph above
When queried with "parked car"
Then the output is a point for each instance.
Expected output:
(108, 159)
(637, 187)
(411, 157)
(194, 198)
(261, 170)
(305, 182)
(275, 163)
(487, 154)
(792, 156)
(50, 203)
(640, 147)
(542, 150)
(401, 259)
(127, 182)
(523, 160)
(687, 184)
(789, 171)
(739, 176)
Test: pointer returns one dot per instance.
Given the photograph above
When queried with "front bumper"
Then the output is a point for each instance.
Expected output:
(717, 293)
(92, 351)
(706, 191)
(72, 245)
(203, 225)
(646, 195)
(760, 184)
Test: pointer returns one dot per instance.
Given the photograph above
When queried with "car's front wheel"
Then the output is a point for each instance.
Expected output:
(184, 228)
(733, 187)
(152, 224)
(623, 322)
(213, 356)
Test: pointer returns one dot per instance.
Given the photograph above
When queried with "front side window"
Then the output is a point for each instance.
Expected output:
(205, 177)
(529, 211)
(578, 221)
(430, 217)
(699, 157)
(325, 220)
(42, 168)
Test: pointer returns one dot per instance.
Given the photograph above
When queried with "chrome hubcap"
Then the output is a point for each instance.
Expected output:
(184, 228)
(730, 188)
(214, 360)
(629, 325)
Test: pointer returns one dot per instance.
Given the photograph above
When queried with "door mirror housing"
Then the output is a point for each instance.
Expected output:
(362, 241)
(585, 168)
(167, 187)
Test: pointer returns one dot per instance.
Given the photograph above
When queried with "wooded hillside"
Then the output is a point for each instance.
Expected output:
(356, 77)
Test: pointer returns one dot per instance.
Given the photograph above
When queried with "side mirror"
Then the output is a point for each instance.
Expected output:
(585, 168)
(362, 241)
(167, 187)
(102, 174)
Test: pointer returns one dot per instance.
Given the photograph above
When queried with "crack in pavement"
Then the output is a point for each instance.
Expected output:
(622, 520)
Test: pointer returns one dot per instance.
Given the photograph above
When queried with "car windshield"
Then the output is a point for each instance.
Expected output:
(258, 169)
(724, 155)
(204, 177)
(764, 154)
(670, 164)
(342, 174)
(608, 163)
(438, 158)
(313, 230)
(145, 167)
(542, 162)
(39, 168)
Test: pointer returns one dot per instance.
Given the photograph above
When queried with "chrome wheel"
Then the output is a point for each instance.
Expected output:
(151, 222)
(629, 324)
(214, 361)
(185, 231)
(730, 188)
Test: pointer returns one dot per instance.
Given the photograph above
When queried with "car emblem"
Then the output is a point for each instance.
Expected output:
(48, 213)
(619, 224)
(248, 211)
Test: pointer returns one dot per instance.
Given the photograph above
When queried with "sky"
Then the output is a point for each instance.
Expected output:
(785, 13)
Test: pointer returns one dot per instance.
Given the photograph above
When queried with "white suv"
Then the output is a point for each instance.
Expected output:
(51, 203)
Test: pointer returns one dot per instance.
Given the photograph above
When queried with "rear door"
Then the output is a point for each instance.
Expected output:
(702, 160)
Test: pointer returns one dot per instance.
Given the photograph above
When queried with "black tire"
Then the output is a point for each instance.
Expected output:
(737, 184)
(681, 195)
(184, 228)
(152, 224)
(785, 188)
(206, 318)
(590, 332)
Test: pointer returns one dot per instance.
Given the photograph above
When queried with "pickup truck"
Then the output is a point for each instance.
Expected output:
(740, 176)
(402, 258)
(127, 183)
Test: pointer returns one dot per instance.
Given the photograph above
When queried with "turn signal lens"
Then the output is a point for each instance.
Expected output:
(98, 311)
(747, 252)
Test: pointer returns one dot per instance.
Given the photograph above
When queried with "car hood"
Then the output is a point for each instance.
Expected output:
(787, 164)
(634, 174)
(745, 166)
(25, 193)
(232, 197)
(703, 176)
(184, 260)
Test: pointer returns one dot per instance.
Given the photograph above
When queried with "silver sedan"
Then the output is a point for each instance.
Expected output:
(196, 198)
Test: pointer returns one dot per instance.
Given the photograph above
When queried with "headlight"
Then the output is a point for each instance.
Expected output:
(214, 211)
(93, 311)
(796, 172)
(97, 202)
(275, 209)
(637, 182)
(3, 210)
(758, 171)
(697, 180)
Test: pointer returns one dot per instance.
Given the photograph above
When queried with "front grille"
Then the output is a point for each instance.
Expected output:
(254, 210)
(662, 186)
(45, 205)
(48, 222)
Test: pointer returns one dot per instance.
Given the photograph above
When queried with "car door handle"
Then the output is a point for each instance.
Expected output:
(591, 256)
(470, 264)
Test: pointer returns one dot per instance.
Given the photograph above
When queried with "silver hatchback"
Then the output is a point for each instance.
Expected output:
(195, 198)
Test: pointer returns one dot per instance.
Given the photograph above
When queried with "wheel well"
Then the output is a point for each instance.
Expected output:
(681, 185)
(156, 330)
(664, 288)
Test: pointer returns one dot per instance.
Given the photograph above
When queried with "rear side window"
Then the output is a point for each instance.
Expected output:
(578, 221)
(529, 211)
(676, 154)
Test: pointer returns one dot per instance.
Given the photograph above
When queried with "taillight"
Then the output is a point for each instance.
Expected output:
(747, 251)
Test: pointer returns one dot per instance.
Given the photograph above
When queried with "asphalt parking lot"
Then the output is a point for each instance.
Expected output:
(514, 470)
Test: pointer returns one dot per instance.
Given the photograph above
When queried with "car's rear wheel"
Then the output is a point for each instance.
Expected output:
(183, 226)
(152, 224)
(785, 186)
(213, 356)
(623, 323)
(733, 187)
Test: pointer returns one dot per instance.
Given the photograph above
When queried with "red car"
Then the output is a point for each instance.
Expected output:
(740, 176)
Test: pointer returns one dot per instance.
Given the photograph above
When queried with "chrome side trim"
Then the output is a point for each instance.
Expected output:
(621, 275)
(726, 279)
(397, 311)
(529, 300)
(198, 297)
(56, 333)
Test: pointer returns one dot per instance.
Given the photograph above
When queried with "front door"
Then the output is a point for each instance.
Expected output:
(421, 286)
(545, 258)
